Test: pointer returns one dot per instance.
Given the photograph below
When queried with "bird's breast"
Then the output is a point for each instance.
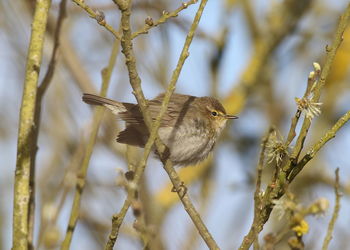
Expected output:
(188, 143)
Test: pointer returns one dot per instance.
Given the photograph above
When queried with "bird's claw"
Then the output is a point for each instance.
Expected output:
(182, 190)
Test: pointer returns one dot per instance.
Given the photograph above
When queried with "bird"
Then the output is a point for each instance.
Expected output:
(189, 128)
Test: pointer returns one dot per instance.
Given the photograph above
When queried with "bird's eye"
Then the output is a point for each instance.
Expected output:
(214, 113)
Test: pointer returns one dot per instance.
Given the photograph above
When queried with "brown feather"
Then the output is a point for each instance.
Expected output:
(134, 136)
(174, 115)
(98, 100)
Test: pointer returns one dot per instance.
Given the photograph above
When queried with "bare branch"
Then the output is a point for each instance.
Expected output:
(98, 16)
(81, 176)
(335, 215)
(331, 52)
(135, 81)
(37, 116)
(26, 149)
(315, 148)
(149, 23)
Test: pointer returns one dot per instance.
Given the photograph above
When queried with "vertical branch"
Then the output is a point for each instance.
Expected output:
(256, 226)
(130, 61)
(25, 147)
(335, 215)
(81, 175)
(37, 116)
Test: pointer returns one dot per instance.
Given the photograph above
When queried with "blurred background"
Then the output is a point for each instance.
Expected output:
(254, 55)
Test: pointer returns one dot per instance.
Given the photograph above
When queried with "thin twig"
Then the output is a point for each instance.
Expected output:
(293, 125)
(149, 23)
(206, 192)
(81, 176)
(311, 81)
(335, 215)
(178, 184)
(37, 117)
(258, 202)
(52, 64)
(135, 81)
(26, 149)
(330, 134)
(257, 194)
(331, 52)
(98, 16)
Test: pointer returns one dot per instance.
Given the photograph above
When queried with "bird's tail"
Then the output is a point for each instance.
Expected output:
(114, 106)
(97, 100)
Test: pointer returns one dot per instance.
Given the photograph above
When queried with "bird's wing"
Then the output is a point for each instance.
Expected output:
(135, 135)
(178, 107)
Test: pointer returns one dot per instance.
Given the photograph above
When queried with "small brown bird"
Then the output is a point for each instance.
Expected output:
(189, 128)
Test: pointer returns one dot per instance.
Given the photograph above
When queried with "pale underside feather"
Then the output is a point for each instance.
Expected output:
(115, 109)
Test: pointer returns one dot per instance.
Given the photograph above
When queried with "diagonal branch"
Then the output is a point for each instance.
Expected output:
(135, 81)
(81, 175)
(257, 193)
(98, 16)
(315, 148)
(335, 212)
(149, 23)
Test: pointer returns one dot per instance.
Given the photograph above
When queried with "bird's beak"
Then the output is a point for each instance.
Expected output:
(231, 117)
